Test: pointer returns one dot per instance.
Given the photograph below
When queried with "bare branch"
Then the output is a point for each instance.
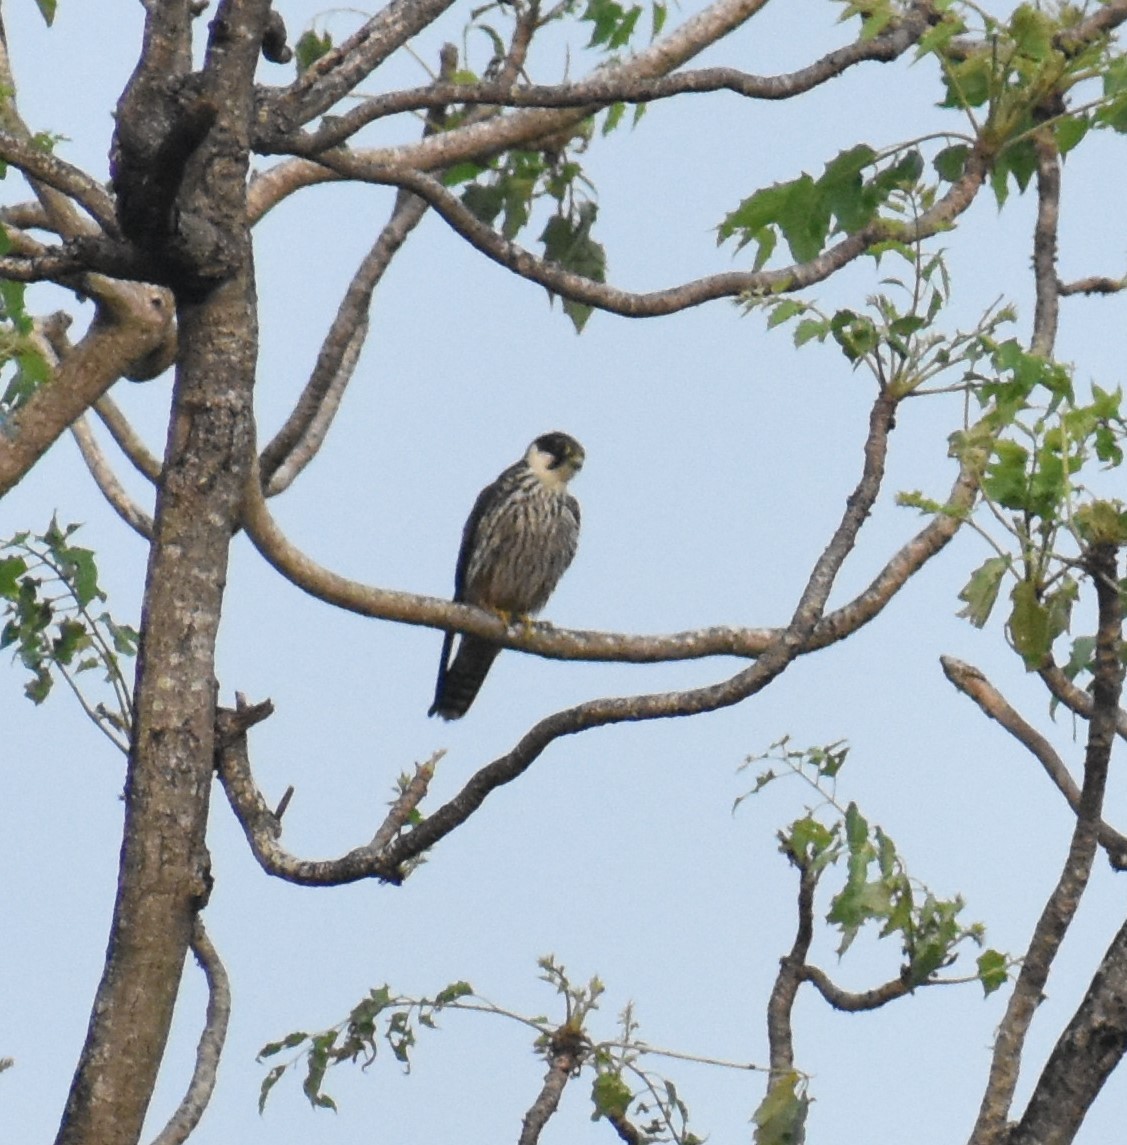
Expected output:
(299, 440)
(1091, 1046)
(614, 84)
(565, 1056)
(1075, 699)
(338, 71)
(971, 682)
(633, 305)
(1095, 284)
(39, 165)
(852, 1002)
(120, 501)
(1047, 308)
(1064, 900)
(261, 826)
(183, 1122)
(127, 439)
(136, 321)
(780, 1006)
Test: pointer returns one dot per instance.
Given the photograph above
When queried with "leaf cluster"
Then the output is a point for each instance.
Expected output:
(1036, 447)
(877, 889)
(379, 1017)
(507, 188)
(781, 1116)
(1021, 73)
(49, 589)
(806, 212)
(897, 336)
(23, 366)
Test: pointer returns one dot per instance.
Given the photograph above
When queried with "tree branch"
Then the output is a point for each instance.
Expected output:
(780, 1006)
(40, 166)
(127, 439)
(298, 441)
(565, 1056)
(613, 84)
(852, 1002)
(364, 862)
(671, 300)
(210, 1048)
(497, 134)
(138, 323)
(971, 682)
(105, 478)
(1064, 900)
(1087, 1051)
(1047, 307)
(331, 77)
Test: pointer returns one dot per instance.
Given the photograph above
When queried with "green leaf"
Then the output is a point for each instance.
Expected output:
(992, 970)
(785, 310)
(287, 1043)
(781, 1116)
(268, 1083)
(47, 10)
(854, 333)
(1007, 480)
(951, 162)
(1081, 656)
(1029, 626)
(452, 993)
(810, 328)
(310, 47)
(969, 81)
(484, 201)
(1032, 32)
(568, 243)
(1070, 131)
(11, 569)
(981, 591)
(610, 1096)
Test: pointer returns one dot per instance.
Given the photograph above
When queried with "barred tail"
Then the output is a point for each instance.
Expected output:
(459, 681)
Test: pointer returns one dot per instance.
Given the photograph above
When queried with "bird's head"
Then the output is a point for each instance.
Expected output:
(555, 457)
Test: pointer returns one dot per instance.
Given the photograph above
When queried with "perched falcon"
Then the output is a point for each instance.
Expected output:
(519, 539)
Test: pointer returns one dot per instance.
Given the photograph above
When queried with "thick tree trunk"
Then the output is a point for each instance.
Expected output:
(204, 252)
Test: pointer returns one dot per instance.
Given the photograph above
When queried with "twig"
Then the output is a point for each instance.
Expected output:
(856, 1002)
(127, 438)
(105, 478)
(210, 1047)
(1094, 284)
(409, 799)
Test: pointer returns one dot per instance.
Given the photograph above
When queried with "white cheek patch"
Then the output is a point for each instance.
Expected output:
(540, 464)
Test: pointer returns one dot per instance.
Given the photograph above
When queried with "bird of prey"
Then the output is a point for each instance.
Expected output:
(520, 537)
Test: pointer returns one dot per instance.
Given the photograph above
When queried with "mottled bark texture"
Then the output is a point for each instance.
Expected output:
(191, 216)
